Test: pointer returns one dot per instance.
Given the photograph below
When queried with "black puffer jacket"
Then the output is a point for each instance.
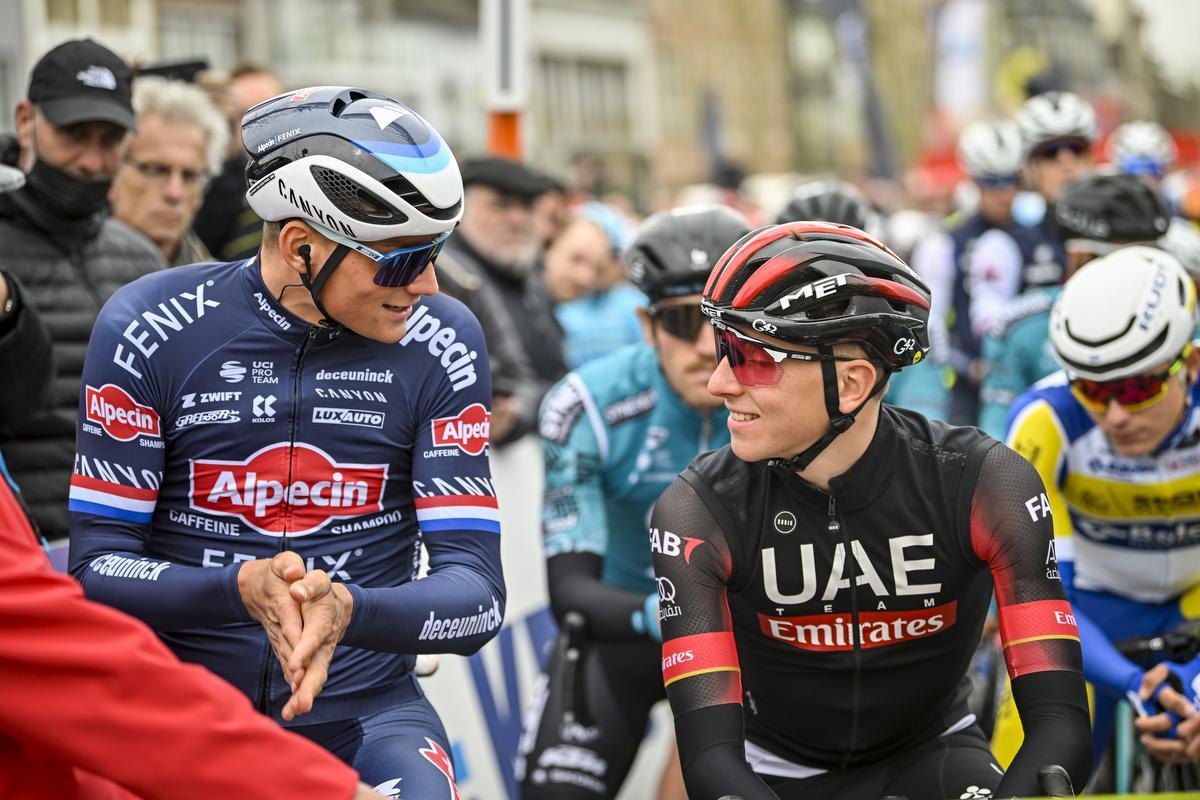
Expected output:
(66, 271)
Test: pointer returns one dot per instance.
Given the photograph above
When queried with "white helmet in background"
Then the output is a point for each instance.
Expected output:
(1055, 115)
(990, 149)
(1182, 240)
(1142, 146)
(1123, 314)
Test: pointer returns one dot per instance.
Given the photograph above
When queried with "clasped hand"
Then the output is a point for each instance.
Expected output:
(1172, 751)
(305, 616)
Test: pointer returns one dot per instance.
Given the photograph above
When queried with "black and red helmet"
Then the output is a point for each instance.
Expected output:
(819, 284)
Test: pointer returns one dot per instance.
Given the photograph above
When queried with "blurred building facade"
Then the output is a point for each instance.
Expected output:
(723, 88)
(658, 94)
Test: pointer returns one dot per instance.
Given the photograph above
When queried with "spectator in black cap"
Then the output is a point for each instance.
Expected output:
(62, 255)
(491, 264)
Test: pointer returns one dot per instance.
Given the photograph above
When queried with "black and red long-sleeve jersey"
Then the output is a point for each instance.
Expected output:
(844, 621)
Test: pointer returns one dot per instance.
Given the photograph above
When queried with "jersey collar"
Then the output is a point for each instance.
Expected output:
(866, 480)
(273, 315)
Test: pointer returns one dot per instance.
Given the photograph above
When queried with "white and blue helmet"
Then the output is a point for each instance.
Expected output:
(353, 161)
(1140, 147)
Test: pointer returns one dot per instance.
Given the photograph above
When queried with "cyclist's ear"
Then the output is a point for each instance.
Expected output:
(296, 246)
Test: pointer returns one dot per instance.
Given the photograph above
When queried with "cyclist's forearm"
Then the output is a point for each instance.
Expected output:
(163, 594)
(1054, 715)
(713, 756)
(612, 613)
(1103, 665)
(455, 609)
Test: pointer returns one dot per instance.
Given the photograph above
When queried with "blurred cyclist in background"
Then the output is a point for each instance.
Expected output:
(990, 153)
(1057, 133)
(615, 433)
(1097, 214)
(1142, 148)
(831, 201)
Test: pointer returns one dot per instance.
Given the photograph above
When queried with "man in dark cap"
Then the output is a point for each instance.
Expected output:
(490, 264)
(63, 256)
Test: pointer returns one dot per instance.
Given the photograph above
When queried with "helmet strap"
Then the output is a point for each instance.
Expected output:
(315, 286)
(839, 423)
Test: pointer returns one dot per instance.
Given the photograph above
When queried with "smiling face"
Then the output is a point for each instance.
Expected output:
(783, 419)
(351, 295)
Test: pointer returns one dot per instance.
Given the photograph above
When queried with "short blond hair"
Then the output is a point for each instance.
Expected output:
(182, 102)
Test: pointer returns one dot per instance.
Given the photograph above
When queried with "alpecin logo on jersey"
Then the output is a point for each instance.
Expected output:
(121, 417)
(254, 490)
(468, 431)
(831, 632)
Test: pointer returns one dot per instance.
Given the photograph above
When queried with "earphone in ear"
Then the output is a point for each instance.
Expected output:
(305, 251)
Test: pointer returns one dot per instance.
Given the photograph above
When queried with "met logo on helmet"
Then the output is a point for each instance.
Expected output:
(121, 417)
(468, 431)
(256, 490)
(814, 290)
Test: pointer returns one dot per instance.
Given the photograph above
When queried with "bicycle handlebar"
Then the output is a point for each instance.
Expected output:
(1181, 644)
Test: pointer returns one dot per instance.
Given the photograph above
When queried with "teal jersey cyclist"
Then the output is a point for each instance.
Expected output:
(615, 434)
(1096, 214)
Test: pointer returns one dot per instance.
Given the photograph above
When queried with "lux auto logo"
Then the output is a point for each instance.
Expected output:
(255, 490)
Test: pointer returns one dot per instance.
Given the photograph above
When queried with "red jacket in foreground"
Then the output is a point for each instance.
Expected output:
(86, 691)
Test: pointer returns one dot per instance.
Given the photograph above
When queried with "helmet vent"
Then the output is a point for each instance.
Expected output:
(353, 200)
(411, 195)
(343, 100)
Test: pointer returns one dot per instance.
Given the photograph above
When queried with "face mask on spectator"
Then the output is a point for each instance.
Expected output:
(64, 194)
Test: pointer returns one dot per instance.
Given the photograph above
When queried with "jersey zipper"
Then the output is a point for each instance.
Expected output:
(834, 526)
(264, 685)
(295, 423)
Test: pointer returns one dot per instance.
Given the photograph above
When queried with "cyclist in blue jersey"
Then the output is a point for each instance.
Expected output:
(1117, 444)
(1057, 133)
(1096, 214)
(264, 446)
(615, 433)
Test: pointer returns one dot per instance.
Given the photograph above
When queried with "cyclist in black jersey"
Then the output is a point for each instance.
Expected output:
(844, 553)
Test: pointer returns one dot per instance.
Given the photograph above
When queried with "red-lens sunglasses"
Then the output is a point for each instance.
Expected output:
(756, 364)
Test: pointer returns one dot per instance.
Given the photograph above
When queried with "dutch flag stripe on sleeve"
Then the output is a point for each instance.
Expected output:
(458, 512)
(95, 496)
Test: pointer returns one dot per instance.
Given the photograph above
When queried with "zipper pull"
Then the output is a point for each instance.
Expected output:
(833, 526)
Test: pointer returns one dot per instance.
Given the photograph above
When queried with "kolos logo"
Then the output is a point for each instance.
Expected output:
(468, 431)
(255, 490)
(121, 417)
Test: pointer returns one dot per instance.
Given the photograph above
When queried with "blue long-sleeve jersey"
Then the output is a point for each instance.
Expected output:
(216, 427)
